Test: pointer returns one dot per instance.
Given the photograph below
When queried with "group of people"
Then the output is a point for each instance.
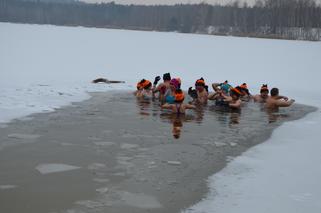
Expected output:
(171, 96)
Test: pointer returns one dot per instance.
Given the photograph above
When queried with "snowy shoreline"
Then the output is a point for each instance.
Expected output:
(70, 57)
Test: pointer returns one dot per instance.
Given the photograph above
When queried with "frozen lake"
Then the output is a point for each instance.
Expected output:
(46, 67)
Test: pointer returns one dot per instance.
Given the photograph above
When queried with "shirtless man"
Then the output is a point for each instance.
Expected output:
(162, 87)
(178, 107)
(275, 101)
(263, 96)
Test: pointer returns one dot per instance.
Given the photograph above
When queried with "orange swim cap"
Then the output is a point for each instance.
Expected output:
(179, 96)
(237, 90)
(200, 82)
(146, 84)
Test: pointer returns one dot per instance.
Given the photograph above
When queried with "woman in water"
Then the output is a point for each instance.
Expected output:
(234, 101)
(178, 106)
(144, 90)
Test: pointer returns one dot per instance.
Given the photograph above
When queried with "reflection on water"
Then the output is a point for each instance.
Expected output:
(221, 121)
(177, 122)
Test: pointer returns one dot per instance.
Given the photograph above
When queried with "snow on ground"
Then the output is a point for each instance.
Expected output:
(46, 67)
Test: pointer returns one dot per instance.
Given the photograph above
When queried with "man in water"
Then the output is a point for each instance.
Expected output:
(162, 87)
(264, 94)
(275, 101)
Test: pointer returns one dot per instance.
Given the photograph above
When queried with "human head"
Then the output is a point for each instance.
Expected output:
(274, 92)
(147, 85)
(244, 89)
(167, 77)
(179, 96)
(139, 85)
(235, 93)
(225, 87)
(264, 91)
(200, 84)
(174, 83)
(144, 84)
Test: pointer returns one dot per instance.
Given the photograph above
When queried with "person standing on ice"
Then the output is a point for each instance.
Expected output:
(275, 101)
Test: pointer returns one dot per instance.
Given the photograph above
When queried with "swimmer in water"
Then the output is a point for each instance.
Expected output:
(174, 84)
(245, 96)
(202, 93)
(162, 87)
(275, 101)
(218, 97)
(178, 107)
(263, 96)
(234, 101)
(144, 90)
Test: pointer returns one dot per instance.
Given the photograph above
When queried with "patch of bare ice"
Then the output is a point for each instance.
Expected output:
(4, 187)
(23, 136)
(55, 167)
(103, 143)
(128, 146)
(139, 200)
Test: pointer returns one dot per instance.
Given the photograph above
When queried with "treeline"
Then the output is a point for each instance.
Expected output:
(287, 19)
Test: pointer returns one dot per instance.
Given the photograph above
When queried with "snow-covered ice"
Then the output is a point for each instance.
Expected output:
(55, 167)
(45, 67)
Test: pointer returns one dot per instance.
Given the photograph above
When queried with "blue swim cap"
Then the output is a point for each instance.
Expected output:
(225, 87)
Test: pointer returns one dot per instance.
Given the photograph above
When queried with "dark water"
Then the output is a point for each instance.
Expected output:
(218, 123)
(124, 145)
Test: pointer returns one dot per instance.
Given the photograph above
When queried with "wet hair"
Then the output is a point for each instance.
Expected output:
(167, 77)
(274, 92)
(264, 88)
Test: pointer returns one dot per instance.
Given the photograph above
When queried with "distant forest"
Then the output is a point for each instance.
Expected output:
(283, 19)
